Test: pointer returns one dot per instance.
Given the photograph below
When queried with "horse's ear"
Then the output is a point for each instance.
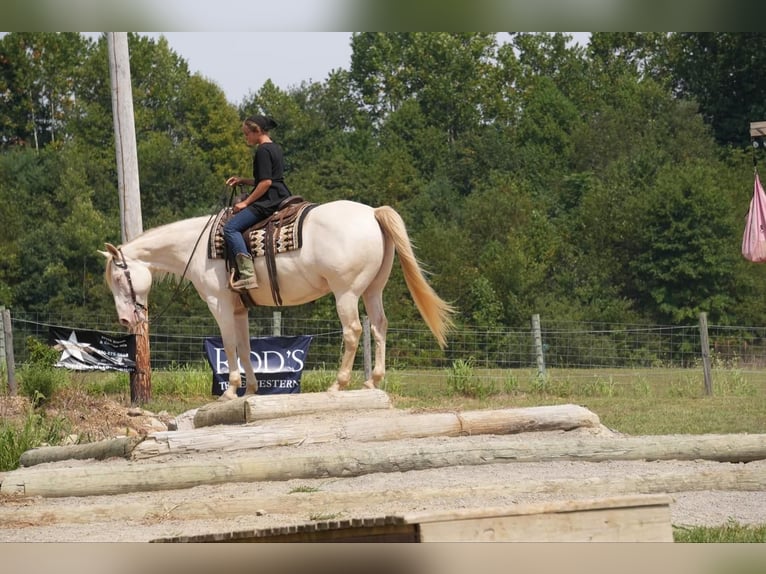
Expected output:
(110, 250)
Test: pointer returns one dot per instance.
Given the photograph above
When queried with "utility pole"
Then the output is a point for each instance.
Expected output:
(129, 191)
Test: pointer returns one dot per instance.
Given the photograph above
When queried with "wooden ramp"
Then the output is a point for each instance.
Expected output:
(642, 518)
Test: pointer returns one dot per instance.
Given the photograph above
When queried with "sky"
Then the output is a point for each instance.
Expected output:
(240, 62)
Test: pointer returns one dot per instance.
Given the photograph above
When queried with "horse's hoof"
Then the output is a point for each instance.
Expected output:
(369, 385)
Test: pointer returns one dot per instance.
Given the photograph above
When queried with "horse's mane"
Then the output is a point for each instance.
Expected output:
(158, 275)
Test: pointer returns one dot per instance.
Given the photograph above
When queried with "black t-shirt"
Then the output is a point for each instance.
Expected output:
(269, 163)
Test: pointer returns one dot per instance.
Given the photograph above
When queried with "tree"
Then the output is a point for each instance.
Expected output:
(725, 72)
(39, 82)
(682, 262)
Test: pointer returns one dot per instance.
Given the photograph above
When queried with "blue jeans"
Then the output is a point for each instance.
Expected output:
(239, 222)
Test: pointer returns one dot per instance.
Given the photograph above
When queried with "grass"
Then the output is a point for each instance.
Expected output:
(35, 429)
(731, 532)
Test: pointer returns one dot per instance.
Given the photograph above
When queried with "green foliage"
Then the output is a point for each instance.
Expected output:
(317, 380)
(463, 380)
(732, 532)
(38, 379)
(39, 354)
(34, 430)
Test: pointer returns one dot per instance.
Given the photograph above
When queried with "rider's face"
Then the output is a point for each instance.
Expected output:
(251, 134)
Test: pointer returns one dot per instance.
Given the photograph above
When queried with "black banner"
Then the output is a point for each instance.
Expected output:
(93, 351)
(277, 361)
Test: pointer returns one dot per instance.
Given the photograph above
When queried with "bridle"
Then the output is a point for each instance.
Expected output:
(139, 309)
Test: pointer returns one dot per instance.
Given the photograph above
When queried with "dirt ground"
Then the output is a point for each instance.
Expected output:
(234, 507)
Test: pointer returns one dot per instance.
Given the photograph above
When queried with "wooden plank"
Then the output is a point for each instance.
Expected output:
(371, 529)
(757, 129)
(126, 476)
(621, 519)
(630, 519)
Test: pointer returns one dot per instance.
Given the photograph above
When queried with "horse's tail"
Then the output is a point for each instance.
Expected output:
(436, 312)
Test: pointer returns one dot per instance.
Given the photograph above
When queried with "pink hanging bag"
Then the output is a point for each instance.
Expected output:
(754, 240)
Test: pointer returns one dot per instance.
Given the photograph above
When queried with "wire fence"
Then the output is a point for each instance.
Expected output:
(580, 349)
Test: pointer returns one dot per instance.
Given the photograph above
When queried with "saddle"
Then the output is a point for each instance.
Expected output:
(281, 232)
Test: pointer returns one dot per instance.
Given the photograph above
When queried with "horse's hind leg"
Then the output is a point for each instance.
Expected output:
(348, 312)
(373, 304)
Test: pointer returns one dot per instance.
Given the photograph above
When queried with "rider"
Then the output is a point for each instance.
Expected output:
(269, 190)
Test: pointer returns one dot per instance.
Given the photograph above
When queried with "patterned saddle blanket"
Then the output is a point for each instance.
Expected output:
(279, 233)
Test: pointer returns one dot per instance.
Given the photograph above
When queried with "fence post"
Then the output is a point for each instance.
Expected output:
(141, 378)
(8, 348)
(276, 324)
(367, 348)
(538, 339)
(705, 354)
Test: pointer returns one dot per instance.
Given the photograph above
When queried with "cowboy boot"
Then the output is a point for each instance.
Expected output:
(246, 273)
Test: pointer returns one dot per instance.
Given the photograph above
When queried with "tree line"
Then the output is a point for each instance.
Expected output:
(600, 183)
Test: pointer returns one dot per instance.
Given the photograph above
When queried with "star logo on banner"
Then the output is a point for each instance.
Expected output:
(73, 348)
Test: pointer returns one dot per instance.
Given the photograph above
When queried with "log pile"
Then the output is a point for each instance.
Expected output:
(380, 440)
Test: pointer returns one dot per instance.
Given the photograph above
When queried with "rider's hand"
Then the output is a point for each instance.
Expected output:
(233, 180)
(239, 206)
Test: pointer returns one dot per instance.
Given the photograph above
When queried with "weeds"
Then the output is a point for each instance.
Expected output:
(462, 380)
(38, 377)
(730, 532)
(33, 431)
(303, 488)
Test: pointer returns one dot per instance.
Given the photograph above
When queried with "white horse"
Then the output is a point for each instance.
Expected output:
(348, 250)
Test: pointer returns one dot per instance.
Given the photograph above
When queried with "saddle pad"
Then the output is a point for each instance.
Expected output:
(287, 232)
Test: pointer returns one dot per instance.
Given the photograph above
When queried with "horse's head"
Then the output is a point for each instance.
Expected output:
(130, 282)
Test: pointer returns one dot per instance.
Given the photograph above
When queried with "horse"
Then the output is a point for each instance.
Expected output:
(348, 250)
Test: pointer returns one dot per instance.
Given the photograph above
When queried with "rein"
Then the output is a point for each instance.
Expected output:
(140, 307)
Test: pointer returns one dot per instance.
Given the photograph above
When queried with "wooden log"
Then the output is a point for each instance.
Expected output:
(385, 427)
(728, 478)
(222, 413)
(261, 407)
(358, 459)
(117, 447)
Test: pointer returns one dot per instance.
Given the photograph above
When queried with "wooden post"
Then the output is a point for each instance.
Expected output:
(538, 339)
(704, 343)
(124, 135)
(141, 378)
(128, 190)
(757, 129)
(8, 345)
(276, 324)
(367, 348)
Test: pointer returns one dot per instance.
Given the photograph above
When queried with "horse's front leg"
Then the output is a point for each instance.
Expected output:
(242, 330)
(235, 377)
(224, 312)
